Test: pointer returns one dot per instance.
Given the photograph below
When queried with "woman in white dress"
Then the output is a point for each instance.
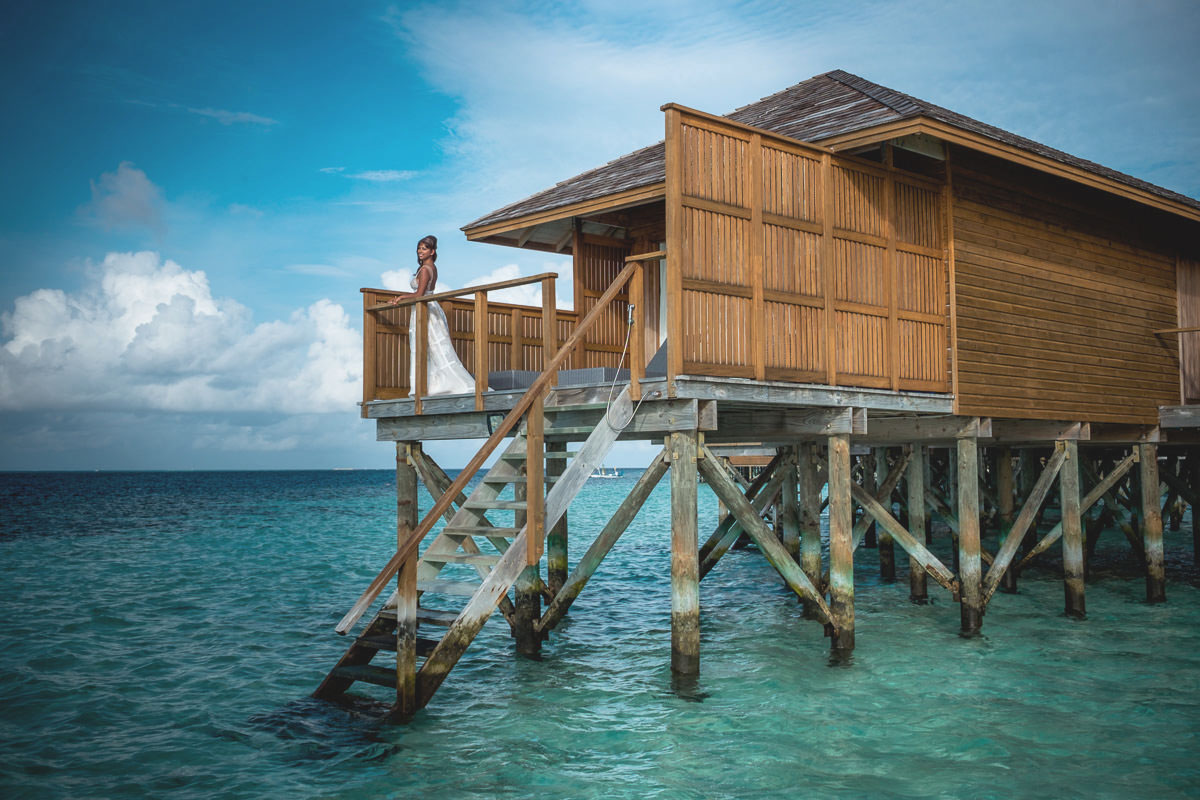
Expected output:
(445, 374)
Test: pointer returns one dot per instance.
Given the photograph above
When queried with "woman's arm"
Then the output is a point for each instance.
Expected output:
(422, 287)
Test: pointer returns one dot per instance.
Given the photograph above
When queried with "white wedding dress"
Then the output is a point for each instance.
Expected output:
(445, 373)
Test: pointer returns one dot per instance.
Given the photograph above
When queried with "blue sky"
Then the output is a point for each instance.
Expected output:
(195, 192)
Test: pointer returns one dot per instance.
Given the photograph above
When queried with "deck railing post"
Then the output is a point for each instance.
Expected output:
(637, 343)
(420, 355)
(370, 379)
(549, 325)
(481, 348)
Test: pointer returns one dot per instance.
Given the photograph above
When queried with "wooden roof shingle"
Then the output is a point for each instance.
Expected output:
(827, 105)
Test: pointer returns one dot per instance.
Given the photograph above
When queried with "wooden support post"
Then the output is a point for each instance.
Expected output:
(841, 544)
(869, 482)
(481, 348)
(789, 507)
(528, 598)
(887, 548)
(556, 537)
(1191, 468)
(685, 557)
(549, 325)
(809, 487)
(1152, 529)
(917, 585)
(406, 587)
(1068, 484)
(1005, 510)
(970, 574)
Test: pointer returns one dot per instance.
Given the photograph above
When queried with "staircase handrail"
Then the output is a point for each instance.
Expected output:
(535, 392)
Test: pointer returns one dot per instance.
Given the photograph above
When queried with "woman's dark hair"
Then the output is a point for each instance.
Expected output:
(431, 243)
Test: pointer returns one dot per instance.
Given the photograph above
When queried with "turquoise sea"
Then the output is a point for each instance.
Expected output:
(163, 630)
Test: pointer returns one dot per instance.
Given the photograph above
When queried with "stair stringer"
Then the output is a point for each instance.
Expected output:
(505, 573)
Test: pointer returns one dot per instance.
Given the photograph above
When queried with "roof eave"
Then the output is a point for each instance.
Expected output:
(610, 202)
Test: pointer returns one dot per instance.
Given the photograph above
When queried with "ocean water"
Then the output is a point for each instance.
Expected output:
(163, 632)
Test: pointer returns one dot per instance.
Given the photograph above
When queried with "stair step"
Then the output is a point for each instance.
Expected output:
(429, 616)
(482, 530)
(457, 588)
(505, 480)
(368, 673)
(475, 559)
(516, 505)
(520, 457)
(388, 643)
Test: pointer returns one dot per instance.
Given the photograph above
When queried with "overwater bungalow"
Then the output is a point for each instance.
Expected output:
(906, 313)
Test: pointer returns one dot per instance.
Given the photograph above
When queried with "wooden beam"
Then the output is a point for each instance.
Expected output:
(1179, 416)
(769, 424)
(969, 571)
(928, 561)
(1152, 528)
(841, 545)
(809, 483)
(1068, 484)
(685, 557)
(750, 520)
(1020, 526)
(556, 537)
(1032, 430)
(406, 584)
(760, 494)
(917, 585)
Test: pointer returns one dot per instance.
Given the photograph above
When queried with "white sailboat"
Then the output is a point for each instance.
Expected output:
(607, 473)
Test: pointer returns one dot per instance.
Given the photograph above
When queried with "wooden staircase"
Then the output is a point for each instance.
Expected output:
(466, 571)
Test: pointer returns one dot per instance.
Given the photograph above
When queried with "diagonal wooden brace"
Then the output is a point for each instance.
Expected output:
(1017, 533)
(928, 561)
(1102, 490)
(884, 492)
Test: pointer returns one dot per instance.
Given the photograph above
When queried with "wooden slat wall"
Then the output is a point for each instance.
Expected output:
(386, 375)
(597, 262)
(1057, 298)
(1188, 281)
(801, 266)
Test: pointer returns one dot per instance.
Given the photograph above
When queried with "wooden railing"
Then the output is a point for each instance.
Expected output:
(487, 336)
(530, 408)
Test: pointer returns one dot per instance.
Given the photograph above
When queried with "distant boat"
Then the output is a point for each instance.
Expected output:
(611, 473)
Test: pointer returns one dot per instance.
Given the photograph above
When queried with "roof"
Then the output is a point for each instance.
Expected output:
(828, 105)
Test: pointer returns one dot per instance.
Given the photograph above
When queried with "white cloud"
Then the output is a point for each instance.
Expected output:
(126, 199)
(383, 175)
(233, 117)
(149, 335)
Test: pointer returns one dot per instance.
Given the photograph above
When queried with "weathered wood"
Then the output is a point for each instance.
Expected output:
(917, 585)
(809, 487)
(1016, 533)
(1005, 512)
(770, 547)
(739, 425)
(885, 545)
(406, 585)
(841, 545)
(1179, 416)
(535, 465)
(761, 494)
(481, 348)
(904, 430)
(1035, 430)
(885, 487)
(685, 557)
(915, 548)
(969, 571)
(420, 353)
(706, 387)
(608, 536)
(452, 293)
(1101, 490)
(789, 509)
(1068, 481)
(558, 535)
(1152, 528)
(527, 600)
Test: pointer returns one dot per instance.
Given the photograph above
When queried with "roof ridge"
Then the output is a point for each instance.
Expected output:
(903, 104)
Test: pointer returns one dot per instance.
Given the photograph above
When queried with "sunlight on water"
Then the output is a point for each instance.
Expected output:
(164, 631)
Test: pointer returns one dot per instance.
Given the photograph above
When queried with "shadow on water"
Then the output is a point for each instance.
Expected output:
(324, 731)
(687, 687)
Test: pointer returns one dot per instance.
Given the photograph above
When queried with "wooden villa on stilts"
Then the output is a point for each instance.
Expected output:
(911, 313)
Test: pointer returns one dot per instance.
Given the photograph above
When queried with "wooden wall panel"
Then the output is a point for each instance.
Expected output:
(598, 261)
(794, 264)
(1188, 281)
(1057, 297)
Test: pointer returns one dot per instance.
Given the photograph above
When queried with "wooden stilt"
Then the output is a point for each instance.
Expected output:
(556, 537)
(887, 548)
(809, 486)
(685, 557)
(970, 570)
(1004, 510)
(841, 544)
(918, 590)
(1192, 469)
(406, 586)
(1068, 484)
(1152, 529)
(526, 595)
(789, 508)
(869, 482)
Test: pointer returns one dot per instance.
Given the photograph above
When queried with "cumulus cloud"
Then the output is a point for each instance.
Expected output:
(126, 199)
(147, 334)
